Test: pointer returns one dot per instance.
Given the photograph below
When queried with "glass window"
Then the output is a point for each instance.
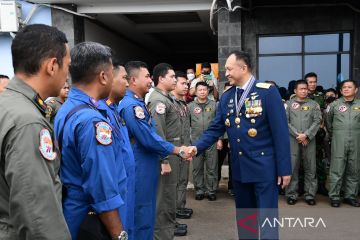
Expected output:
(280, 69)
(346, 42)
(322, 43)
(289, 44)
(325, 66)
(345, 67)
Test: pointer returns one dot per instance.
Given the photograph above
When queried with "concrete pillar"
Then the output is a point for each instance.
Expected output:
(70, 24)
(229, 36)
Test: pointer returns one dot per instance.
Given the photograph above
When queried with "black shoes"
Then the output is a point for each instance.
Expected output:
(199, 196)
(211, 197)
(310, 201)
(179, 232)
(188, 210)
(181, 226)
(183, 213)
(351, 201)
(231, 192)
(335, 203)
(291, 201)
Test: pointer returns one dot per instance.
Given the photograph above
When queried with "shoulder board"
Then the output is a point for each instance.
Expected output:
(263, 85)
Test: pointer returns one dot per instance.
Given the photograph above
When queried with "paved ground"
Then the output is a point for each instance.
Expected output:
(216, 220)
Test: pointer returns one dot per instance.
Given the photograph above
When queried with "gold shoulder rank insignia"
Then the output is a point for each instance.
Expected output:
(263, 85)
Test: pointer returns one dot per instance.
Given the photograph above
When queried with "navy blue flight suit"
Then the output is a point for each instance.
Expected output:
(260, 147)
(148, 148)
(92, 168)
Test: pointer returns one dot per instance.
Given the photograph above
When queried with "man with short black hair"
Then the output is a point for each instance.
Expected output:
(30, 196)
(4, 81)
(92, 167)
(148, 148)
(168, 125)
(343, 125)
(208, 77)
(54, 104)
(304, 118)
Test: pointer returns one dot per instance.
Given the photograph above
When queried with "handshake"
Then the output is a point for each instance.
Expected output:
(185, 152)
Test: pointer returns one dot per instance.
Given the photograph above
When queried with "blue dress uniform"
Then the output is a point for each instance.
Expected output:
(119, 124)
(259, 143)
(92, 168)
(148, 148)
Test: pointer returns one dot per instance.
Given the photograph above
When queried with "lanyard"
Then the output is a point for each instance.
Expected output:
(243, 96)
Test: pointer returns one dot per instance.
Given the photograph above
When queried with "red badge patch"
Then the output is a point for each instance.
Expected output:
(197, 110)
(295, 105)
(343, 108)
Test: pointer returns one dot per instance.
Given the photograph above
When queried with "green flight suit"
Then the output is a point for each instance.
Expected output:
(53, 106)
(184, 165)
(205, 181)
(343, 124)
(30, 196)
(165, 112)
(303, 117)
(321, 172)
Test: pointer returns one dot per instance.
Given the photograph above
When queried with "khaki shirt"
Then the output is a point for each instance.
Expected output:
(200, 117)
(30, 196)
(343, 117)
(303, 117)
(164, 110)
(184, 115)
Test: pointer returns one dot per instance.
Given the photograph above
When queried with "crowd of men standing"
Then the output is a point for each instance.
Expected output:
(97, 162)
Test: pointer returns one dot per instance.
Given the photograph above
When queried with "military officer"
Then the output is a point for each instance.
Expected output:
(304, 118)
(168, 125)
(343, 124)
(179, 95)
(110, 105)
(202, 112)
(30, 196)
(319, 97)
(54, 104)
(147, 145)
(254, 118)
(92, 167)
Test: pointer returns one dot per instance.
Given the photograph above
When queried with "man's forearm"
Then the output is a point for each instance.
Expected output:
(112, 222)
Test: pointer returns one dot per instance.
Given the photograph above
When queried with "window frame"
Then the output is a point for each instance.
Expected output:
(302, 54)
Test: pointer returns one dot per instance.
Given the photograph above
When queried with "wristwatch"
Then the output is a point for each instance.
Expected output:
(181, 153)
(123, 236)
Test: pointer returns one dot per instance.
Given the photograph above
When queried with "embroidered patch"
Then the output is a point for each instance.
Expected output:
(160, 108)
(197, 110)
(305, 108)
(46, 145)
(103, 133)
(208, 109)
(139, 112)
(356, 108)
(342, 108)
(295, 105)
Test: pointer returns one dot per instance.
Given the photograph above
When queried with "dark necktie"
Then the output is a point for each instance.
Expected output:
(239, 92)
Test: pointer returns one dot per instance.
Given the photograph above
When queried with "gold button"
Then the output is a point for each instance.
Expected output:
(262, 153)
(240, 153)
(238, 140)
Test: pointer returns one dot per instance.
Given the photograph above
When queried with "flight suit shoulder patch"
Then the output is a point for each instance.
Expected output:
(263, 85)
(160, 108)
(46, 145)
(103, 133)
(139, 112)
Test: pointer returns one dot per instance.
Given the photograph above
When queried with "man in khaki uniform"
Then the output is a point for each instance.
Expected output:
(164, 111)
(183, 110)
(54, 104)
(30, 196)
(304, 118)
(202, 112)
(343, 124)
